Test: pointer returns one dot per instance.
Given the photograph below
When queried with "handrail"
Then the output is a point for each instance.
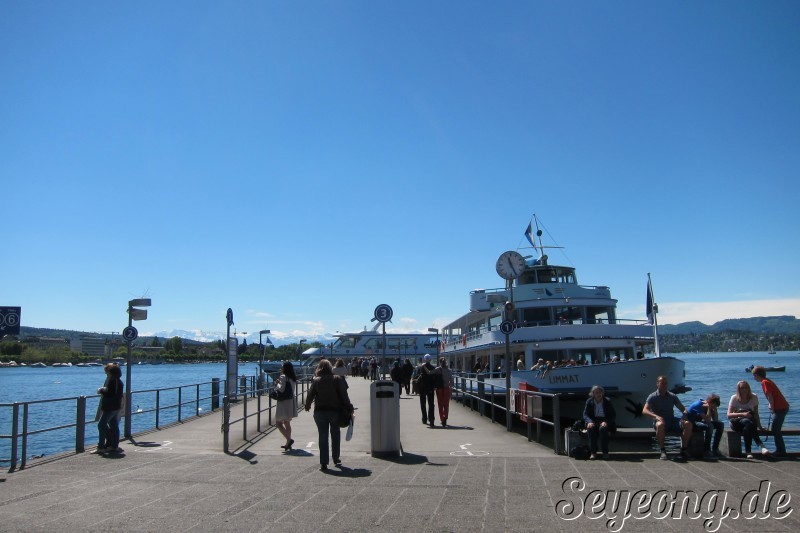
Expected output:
(248, 391)
(476, 389)
(76, 416)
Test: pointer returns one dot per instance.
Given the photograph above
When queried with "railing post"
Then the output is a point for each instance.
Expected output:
(481, 392)
(226, 417)
(557, 424)
(244, 415)
(14, 435)
(158, 403)
(197, 400)
(180, 396)
(214, 394)
(24, 435)
(80, 424)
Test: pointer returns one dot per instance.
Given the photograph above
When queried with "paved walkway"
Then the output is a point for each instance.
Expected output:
(470, 476)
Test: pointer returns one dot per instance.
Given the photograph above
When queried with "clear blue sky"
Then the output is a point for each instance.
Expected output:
(303, 162)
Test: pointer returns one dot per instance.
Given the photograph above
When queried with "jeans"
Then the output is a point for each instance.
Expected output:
(108, 429)
(777, 424)
(594, 432)
(327, 423)
(715, 428)
(426, 396)
(749, 431)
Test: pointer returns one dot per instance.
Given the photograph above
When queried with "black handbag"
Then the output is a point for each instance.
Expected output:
(345, 415)
(286, 394)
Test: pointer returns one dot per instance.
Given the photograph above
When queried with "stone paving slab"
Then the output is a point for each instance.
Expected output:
(474, 476)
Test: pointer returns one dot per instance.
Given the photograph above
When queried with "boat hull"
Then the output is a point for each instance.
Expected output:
(627, 384)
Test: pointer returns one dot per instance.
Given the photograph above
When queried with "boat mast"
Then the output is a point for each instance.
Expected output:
(652, 311)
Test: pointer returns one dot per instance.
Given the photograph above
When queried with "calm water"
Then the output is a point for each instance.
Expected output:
(705, 373)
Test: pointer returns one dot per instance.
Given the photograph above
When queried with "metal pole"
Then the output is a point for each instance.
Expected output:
(508, 362)
(128, 399)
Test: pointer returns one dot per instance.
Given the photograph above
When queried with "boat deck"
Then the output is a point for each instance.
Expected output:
(471, 476)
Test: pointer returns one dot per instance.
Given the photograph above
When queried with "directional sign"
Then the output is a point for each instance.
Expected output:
(130, 333)
(507, 327)
(383, 313)
(229, 316)
(10, 320)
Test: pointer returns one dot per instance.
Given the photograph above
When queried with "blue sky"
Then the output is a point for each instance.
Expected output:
(302, 163)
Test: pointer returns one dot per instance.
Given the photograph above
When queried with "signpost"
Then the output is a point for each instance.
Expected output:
(383, 314)
(130, 334)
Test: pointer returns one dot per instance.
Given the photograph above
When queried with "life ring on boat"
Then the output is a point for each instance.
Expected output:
(463, 340)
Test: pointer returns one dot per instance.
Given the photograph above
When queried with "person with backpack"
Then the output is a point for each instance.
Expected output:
(443, 385)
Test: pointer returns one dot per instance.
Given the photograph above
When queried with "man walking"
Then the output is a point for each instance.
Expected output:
(425, 386)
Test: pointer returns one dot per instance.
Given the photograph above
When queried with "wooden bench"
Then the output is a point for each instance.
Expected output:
(695, 447)
(731, 444)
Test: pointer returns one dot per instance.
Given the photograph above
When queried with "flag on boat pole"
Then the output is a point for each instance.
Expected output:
(652, 310)
(529, 234)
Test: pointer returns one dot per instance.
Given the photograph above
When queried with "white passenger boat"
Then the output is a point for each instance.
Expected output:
(370, 343)
(563, 323)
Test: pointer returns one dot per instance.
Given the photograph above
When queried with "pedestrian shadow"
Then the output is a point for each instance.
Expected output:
(146, 443)
(448, 426)
(294, 452)
(344, 471)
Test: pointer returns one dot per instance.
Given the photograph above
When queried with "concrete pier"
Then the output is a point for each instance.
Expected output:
(472, 475)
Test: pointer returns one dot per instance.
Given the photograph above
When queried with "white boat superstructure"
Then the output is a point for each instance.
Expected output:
(572, 328)
(370, 343)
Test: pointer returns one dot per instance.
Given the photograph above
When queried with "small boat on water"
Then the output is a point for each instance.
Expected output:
(767, 368)
(544, 314)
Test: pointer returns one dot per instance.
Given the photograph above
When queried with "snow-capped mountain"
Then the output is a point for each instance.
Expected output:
(277, 338)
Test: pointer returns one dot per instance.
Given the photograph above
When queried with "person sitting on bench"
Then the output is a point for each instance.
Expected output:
(743, 415)
(704, 416)
(659, 406)
(600, 419)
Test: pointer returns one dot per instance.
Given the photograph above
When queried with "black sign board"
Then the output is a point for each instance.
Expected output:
(10, 320)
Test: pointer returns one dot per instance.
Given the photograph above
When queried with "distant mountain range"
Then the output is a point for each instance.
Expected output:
(787, 325)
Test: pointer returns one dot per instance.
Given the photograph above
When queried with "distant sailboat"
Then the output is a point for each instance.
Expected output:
(771, 349)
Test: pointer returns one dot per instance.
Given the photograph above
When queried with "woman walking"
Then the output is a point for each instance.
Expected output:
(328, 393)
(286, 408)
(743, 415)
(443, 383)
(110, 407)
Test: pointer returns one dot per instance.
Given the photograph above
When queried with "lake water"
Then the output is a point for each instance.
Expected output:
(705, 373)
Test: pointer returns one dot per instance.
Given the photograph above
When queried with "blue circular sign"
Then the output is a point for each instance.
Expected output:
(383, 313)
(130, 333)
(507, 327)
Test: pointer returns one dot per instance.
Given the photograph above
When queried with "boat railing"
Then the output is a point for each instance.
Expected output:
(150, 409)
(472, 389)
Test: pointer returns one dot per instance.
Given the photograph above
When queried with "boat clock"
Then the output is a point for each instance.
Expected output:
(510, 265)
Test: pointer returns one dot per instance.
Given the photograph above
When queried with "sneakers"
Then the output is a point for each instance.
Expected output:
(337, 462)
(750, 456)
(765, 451)
(664, 455)
(593, 456)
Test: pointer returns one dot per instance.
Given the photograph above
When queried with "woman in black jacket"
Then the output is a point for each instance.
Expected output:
(328, 393)
(600, 419)
(110, 408)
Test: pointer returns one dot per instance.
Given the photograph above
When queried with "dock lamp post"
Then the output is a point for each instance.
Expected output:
(435, 330)
(300, 349)
(263, 355)
(129, 334)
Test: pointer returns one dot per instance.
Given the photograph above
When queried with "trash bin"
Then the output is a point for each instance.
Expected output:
(384, 409)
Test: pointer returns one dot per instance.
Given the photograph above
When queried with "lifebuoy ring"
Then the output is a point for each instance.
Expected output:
(464, 340)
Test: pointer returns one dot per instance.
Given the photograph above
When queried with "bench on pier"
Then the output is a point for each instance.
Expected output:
(731, 444)
(696, 445)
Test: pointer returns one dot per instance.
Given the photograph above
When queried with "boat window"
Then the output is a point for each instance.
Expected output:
(527, 278)
(547, 275)
(568, 315)
(346, 342)
(597, 315)
(374, 344)
(539, 316)
(402, 344)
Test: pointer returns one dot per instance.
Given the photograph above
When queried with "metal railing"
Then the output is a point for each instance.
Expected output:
(484, 396)
(160, 407)
(254, 390)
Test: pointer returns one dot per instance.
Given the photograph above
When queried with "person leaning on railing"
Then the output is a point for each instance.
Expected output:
(111, 395)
